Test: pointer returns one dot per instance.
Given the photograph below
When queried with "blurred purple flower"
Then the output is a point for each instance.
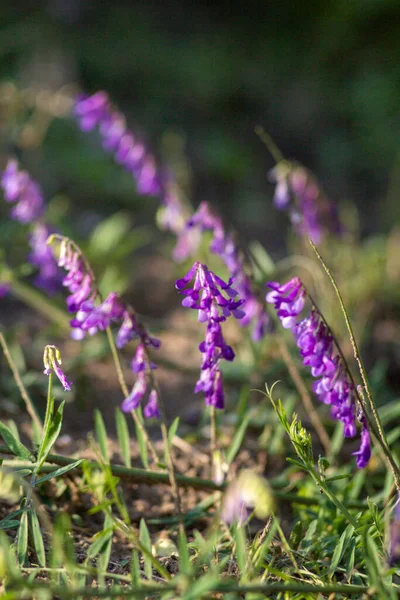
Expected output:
(318, 350)
(394, 535)
(23, 192)
(42, 257)
(4, 289)
(298, 191)
(97, 111)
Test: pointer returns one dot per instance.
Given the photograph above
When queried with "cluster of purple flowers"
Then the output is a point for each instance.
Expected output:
(52, 363)
(29, 207)
(298, 191)
(214, 299)
(92, 317)
(223, 244)
(97, 112)
(319, 352)
(23, 192)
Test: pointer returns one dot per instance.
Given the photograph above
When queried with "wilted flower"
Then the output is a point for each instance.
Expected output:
(334, 385)
(20, 190)
(215, 301)
(298, 191)
(247, 494)
(97, 111)
(52, 363)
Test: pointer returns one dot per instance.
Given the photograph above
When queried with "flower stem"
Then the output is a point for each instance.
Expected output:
(28, 402)
(304, 395)
(125, 391)
(269, 143)
(356, 352)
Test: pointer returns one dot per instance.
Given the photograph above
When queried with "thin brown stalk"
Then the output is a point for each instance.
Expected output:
(28, 402)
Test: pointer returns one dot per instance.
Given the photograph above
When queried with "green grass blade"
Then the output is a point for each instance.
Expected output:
(22, 539)
(146, 543)
(101, 434)
(14, 444)
(37, 538)
(123, 436)
(59, 472)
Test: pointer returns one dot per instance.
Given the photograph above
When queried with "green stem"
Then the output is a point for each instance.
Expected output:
(221, 587)
(269, 143)
(357, 355)
(28, 402)
(40, 303)
(158, 477)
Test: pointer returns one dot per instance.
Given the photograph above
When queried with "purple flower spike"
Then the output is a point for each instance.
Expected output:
(21, 190)
(214, 299)
(97, 111)
(42, 257)
(314, 339)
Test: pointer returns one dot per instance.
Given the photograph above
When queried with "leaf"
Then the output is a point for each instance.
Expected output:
(101, 434)
(135, 568)
(240, 542)
(341, 548)
(184, 559)
(146, 543)
(142, 447)
(237, 440)
(350, 560)
(108, 234)
(173, 429)
(22, 540)
(51, 434)
(8, 523)
(99, 542)
(14, 444)
(104, 558)
(37, 538)
(59, 472)
(123, 436)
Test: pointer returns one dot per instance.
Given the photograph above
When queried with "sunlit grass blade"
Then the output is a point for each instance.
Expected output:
(123, 436)
(146, 543)
(37, 538)
(59, 472)
(101, 434)
(51, 434)
(22, 538)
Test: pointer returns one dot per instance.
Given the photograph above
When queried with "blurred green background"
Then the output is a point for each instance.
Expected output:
(321, 77)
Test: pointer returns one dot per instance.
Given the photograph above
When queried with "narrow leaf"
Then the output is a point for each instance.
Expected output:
(105, 554)
(14, 444)
(173, 429)
(59, 472)
(8, 523)
(237, 440)
(184, 559)
(37, 538)
(135, 568)
(341, 548)
(142, 447)
(240, 542)
(146, 543)
(22, 541)
(51, 434)
(123, 436)
(101, 434)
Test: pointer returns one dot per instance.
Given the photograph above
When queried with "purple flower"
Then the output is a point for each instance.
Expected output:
(138, 391)
(314, 339)
(151, 409)
(131, 329)
(97, 111)
(215, 301)
(4, 289)
(298, 191)
(225, 246)
(52, 363)
(394, 535)
(42, 257)
(23, 192)
(248, 493)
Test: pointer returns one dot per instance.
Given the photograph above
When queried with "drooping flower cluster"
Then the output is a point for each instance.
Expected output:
(226, 247)
(52, 363)
(297, 190)
(214, 299)
(319, 352)
(93, 316)
(96, 111)
(20, 190)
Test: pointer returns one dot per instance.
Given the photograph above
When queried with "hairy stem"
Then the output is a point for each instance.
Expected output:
(357, 355)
